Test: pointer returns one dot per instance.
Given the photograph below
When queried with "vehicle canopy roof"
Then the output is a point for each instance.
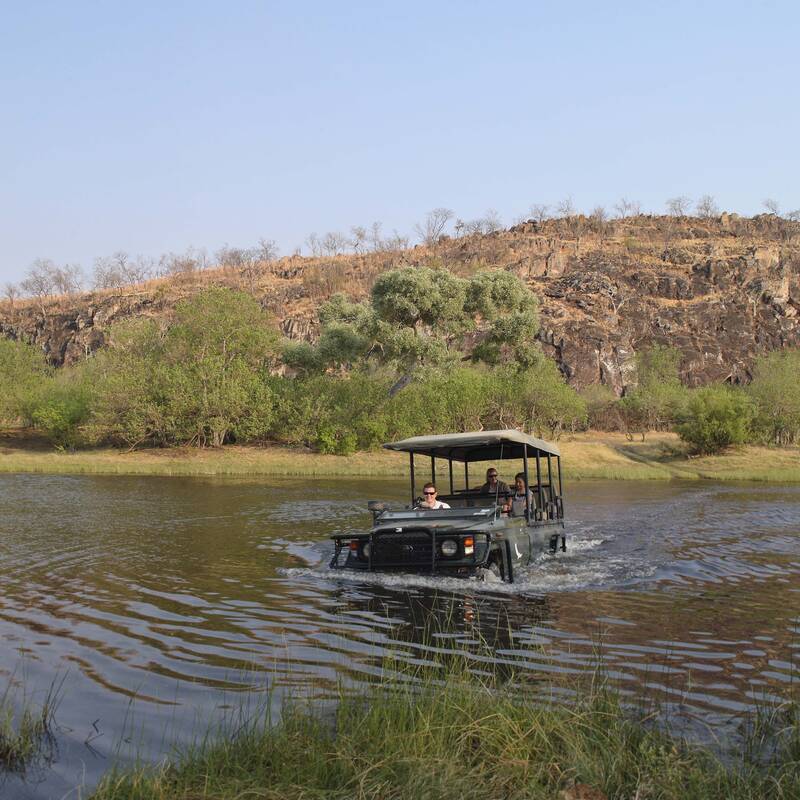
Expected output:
(475, 446)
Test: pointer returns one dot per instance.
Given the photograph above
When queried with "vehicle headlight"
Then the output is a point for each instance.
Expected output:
(449, 547)
(365, 549)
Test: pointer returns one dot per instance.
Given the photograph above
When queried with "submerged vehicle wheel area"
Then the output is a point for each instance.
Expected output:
(488, 529)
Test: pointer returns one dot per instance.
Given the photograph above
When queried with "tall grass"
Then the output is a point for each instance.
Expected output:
(25, 730)
(450, 733)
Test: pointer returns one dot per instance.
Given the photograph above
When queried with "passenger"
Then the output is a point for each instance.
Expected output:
(516, 504)
(429, 500)
(494, 486)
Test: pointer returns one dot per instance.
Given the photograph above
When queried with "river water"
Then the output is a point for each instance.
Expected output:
(157, 604)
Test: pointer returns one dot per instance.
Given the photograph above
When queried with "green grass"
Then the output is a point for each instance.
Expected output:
(586, 456)
(25, 733)
(455, 735)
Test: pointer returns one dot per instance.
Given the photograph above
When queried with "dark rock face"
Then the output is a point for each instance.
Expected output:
(722, 292)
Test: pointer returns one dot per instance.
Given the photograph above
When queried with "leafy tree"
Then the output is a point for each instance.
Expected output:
(656, 401)
(63, 407)
(23, 375)
(774, 389)
(716, 417)
(538, 399)
(201, 381)
(422, 317)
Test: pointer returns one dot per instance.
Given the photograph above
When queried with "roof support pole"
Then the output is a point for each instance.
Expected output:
(433, 470)
(539, 481)
(560, 490)
(450, 465)
(466, 475)
(413, 485)
(527, 495)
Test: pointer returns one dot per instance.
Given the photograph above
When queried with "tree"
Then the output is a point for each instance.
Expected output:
(715, 418)
(492, 221)
(396, 241)
(628, 208)
(774, 390)
(772, 206)
(358, 242)
(566, 208)
(539, 211)
(314, 245)
(68, 279)
(11, 292)
(678, 206)
(598, 217)
(656, 400)
(422, 316)
(191, 260)
(23, 372)
(118, 270)
(334, 243)
(201, 381)
(267, 250)
(707, 207)
(375, 237)
(433, 226)
(39, 281)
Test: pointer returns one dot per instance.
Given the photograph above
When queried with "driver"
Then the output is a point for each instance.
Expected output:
(429, 500)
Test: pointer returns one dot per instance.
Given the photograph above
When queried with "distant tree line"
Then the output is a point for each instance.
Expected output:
(428, 352)
(45, 279)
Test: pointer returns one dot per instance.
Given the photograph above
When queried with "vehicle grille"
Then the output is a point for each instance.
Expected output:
(402, 549)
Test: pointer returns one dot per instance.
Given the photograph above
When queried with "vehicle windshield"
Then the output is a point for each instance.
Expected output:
(439, 513)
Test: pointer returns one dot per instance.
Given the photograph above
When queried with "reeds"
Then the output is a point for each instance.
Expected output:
(25, 730)
(446, 732)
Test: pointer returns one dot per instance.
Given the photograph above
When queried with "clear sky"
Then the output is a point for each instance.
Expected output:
(149, 127)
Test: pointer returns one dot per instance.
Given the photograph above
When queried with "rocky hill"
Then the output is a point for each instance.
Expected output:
(721, 290)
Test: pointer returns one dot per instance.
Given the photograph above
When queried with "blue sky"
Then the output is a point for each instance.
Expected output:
(151, 127)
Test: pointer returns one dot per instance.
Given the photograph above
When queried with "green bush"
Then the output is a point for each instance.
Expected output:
(202, 381)
(656, 402)
(774, 389)
(60, 414)
(23, 376)
(716, 417)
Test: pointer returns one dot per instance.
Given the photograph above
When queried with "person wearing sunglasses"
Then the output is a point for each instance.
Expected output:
(495, 486)
(429, 500)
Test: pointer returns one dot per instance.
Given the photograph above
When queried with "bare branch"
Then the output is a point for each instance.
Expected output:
(431, 230)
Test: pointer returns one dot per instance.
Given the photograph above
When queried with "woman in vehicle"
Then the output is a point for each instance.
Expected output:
(516, 504)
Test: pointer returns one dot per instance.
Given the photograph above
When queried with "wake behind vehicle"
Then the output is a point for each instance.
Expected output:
(475, 533)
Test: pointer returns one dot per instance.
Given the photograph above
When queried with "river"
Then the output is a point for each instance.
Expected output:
(157, 604)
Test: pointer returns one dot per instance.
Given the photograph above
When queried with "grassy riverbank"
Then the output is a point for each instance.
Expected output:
(589, 455)
(462, 737)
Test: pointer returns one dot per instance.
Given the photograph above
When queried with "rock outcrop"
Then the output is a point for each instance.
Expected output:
(722, 291)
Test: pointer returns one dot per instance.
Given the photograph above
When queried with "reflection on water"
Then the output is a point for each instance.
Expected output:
(159, 599)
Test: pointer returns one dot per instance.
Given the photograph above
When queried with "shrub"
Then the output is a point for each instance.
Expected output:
(775, 391)
(715, 418)
(60, 414)
(202, 381)
(23, 375)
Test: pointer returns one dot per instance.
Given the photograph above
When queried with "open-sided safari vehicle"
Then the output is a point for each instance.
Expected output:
(475, 533)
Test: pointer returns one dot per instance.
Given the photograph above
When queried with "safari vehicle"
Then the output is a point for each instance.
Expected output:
(474, 535)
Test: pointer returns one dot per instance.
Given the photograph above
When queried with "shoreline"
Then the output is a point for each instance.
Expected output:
(586, 456)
